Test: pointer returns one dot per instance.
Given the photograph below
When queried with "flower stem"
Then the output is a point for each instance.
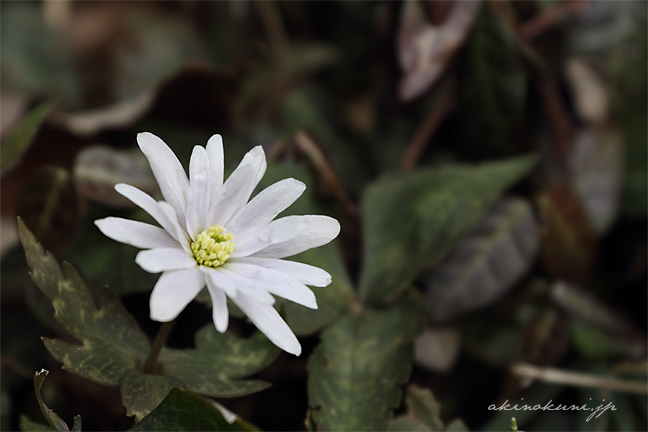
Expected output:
(158, 343)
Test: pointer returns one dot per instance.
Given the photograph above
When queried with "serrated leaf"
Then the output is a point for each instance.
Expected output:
(18, 141)
(184, 411)
(356, 370)
(217, 360)
(112, 341)
(114, 348)
(52, 418)
(424, 412)
(48, 203)
(411, 221)
(485, 264)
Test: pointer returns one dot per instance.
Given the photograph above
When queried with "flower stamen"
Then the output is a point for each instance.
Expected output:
(213, 246)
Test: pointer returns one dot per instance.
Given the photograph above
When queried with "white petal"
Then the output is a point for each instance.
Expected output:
(216, 165)
(220, 314)
(289, 236)
(198, 208)
(304, 273)
(265, 206)
(270, 323)
(173, 292)
(232, 283)
(138, 234)
(164, 259)
(277, 283)
(238, 187)
(150, 206)
(167, 170)
(178, 231)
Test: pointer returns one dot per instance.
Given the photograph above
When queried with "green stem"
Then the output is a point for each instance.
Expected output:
(158, 343)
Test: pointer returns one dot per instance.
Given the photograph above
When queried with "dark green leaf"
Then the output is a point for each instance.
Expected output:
(363, 358)
(217, 359)
(184, 411)
(485, 264)
(18, 141)
(112, 341)
(141, 393)
(114, 348)
(424, 412)
(411, 221)
(49, 205)
(492, 84)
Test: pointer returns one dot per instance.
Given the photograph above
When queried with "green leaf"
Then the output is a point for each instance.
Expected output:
(414, 219)
(112, 341)
(18, 141)
(48, 203)
(114, 348)
(424, 412)
(185, 411)
(53, 419)
(363, 358)
(217, 359)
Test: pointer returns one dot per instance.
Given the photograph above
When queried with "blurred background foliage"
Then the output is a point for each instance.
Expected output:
(341, 94)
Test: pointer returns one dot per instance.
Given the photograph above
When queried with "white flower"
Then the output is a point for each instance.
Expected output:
(211, 235)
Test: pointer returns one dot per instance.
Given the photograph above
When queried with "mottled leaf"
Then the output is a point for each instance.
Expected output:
(217, 360)
(112, 341)
(485, 264)
(114, 348)
(363, 358)
(49, 205)
(412, 220)
(97, 169)
(423, 412)
(597, 164)
(184, 411)
(18, 141)
(425, 50)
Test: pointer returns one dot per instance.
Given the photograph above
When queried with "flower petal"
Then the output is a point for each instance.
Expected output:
(134, 233)
(178, 231)
(198, 207)
(289, 236)
(264, 207)
(150, 206)
(304, 273)
(220, 314)
(167, 170)
(216, 165)
(238, 187)
(233, 284)
(270, 323)
(165, 259)
(276, 283)
(173, 292)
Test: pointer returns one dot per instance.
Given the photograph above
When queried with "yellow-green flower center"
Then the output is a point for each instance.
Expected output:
(213, 246)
